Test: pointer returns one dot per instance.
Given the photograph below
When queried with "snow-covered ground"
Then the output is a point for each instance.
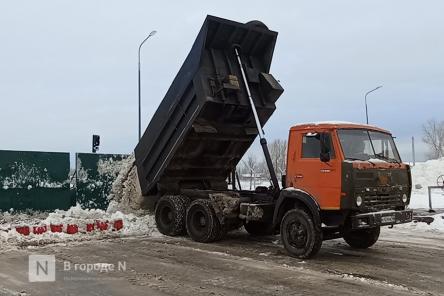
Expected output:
(140, 223)
(425, 174)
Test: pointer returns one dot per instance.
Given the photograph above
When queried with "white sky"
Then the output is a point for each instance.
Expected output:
(68, 69)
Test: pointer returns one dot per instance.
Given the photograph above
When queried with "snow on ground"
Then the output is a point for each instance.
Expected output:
(134, 224)
(424, 174)
(436, 226)
(420, 200)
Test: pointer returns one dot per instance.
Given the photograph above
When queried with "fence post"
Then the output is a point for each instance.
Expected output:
(430, 199)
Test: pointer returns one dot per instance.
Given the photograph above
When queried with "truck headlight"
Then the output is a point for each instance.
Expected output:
(358, 200)
(404, 198)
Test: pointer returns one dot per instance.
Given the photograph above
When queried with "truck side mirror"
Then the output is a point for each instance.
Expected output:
(324, 140)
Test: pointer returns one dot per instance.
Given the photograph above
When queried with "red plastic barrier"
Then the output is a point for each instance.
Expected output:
(90, 227)
(23, 230)
(102, 225)
(56, 227)
(72, 229)
(117, 225)
(39, 229)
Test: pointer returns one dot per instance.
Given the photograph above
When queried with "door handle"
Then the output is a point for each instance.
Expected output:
(299, 176)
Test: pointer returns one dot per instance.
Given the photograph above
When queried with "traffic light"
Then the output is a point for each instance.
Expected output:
(95, 143)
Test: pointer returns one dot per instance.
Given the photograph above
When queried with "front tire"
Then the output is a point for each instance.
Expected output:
(362, 238)
(170, 214)
(202, 223)
(299, 234)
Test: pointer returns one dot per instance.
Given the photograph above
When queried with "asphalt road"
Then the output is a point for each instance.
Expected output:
(401, 263)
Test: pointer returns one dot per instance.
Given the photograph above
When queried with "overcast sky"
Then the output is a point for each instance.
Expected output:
(68, 69)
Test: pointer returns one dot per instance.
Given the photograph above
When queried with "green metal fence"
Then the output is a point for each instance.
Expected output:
(42, 181)
(95, 174)
(34, 180)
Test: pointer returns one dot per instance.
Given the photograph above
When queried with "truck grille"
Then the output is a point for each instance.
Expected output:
(382, 202)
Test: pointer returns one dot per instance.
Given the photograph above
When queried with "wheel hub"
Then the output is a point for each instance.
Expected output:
(202, 221)
(167, 215)
(297, 234)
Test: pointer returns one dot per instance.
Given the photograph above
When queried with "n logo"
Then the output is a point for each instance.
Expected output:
(41, 268)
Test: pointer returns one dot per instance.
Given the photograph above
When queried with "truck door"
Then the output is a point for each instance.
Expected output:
(321, 179)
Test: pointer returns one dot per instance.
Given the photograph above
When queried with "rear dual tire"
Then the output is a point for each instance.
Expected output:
(177, 215)
(170, 214)
(202, 223)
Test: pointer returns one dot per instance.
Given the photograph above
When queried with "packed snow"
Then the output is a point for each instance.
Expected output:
(425, 174)
(436, 226)
(134, 224)
(126, 194)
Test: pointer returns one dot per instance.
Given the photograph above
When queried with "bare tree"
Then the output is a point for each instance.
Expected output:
(433, 136)
(251, 166)
(252, 162)
(278, 153)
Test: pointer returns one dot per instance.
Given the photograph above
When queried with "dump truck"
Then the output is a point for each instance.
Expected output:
(342, 180)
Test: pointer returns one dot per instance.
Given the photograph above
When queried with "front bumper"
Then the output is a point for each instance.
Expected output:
(374, 219)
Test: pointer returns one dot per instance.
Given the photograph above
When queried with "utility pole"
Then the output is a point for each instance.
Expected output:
(413, 151)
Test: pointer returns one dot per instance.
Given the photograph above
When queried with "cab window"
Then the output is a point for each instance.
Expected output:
(311, 145)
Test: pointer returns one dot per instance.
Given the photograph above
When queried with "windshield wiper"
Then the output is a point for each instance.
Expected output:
(353, 158)
(381, 156)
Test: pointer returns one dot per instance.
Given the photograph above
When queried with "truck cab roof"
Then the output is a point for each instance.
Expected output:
(335, 125)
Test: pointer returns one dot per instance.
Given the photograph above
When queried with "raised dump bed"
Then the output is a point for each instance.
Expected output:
(204, 125)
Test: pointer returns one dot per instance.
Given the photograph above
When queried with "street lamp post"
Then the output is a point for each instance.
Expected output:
(140, 100)
(366, 109)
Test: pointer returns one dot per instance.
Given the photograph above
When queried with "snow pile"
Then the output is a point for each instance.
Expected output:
(126, 195)
(133, 225)
(425, 174)
(436, 226)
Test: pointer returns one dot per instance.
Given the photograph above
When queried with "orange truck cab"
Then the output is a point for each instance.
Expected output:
(355, 176)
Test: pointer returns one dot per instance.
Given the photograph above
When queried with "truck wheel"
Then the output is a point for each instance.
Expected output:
(170, 214)
(202, 224)
(256, 228)
(362, 238)
(299, 234)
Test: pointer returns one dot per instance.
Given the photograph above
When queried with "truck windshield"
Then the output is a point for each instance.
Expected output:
(360, 144)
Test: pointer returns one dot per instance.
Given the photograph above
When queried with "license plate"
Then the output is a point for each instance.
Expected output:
(388, 219)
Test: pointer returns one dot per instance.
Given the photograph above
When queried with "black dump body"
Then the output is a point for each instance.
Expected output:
(204, 125)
